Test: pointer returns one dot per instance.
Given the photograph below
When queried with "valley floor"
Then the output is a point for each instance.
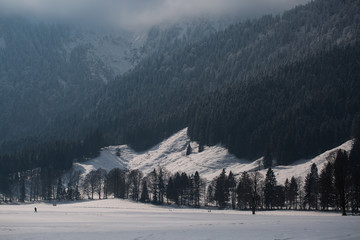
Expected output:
(122, 219)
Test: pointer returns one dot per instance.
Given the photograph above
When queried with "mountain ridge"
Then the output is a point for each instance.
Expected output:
(170, 154)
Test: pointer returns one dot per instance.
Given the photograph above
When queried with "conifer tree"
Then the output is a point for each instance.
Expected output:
(161, 186)
(287, 193)
(60, 190)
(170, 190)
(293, 192)
(154, 186)
(326, 186)
(197, 189)
(312, 188)
(188, 150)
(210, 194)
(243, 191)
(231, 183)
(341, 178)
(144, 192)
(221, 190)
(269, 190)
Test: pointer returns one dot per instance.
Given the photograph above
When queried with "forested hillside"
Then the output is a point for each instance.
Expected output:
(296, 112)
(284, 86)
(50, 72)
(157, 97)
(44, 74)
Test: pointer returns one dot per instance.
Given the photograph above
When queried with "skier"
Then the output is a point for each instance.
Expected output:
(35, 210)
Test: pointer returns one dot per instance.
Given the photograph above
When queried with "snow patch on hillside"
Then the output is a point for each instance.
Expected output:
(171, 154)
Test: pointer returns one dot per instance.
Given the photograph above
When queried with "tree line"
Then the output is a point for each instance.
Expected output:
(335, 187)
(45, 163)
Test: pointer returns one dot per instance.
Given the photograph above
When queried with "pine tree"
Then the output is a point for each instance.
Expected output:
(60, 190)
(243, 191)
(287, 193)
(144, 192)
(154, 186)
(293, 192)
(354, 161)
(188, 150)
(279, 197)
(231, 183)
(201, 147)
(161, 186)
(178, 192)
(170, 190)
(341, 178)
(184, 188)
(269, 190)
(312, 188)
(210, 194)
(221, 190)
(326, 186)
(197, 189)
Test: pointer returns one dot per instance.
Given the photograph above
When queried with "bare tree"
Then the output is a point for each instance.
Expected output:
(256, 178)
(134, 178)
(100, 180)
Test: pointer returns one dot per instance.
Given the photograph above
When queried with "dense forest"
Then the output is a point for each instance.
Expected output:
(284, 87)
(335, 187)
(296, 112)
(292, 71)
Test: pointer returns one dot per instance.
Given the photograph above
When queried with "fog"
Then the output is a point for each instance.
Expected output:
(132, 14)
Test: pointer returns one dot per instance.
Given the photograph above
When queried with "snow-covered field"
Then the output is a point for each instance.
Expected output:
(171, 154)
(122, 219)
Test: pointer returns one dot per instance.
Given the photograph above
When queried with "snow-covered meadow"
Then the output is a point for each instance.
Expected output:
(122, 219)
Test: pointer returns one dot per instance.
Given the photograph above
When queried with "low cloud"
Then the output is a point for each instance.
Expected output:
(139, 13)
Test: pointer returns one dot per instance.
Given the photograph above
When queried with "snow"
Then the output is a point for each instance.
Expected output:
(171, 154)
(114, 50)
(123, 219)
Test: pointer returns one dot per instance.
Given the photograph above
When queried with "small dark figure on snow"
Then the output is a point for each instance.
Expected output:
(35, 210)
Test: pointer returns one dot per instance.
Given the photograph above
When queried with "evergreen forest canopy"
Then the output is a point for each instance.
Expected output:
(285, 85)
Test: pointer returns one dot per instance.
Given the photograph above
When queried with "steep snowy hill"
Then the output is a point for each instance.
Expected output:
(171, 154)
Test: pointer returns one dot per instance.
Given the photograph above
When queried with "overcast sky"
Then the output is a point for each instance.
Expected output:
(139, 13)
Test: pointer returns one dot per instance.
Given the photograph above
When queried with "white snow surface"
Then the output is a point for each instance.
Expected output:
(171, 154)
(122, 219)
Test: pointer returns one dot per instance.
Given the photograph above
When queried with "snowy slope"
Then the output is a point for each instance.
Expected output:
(171, 154)
(118, 51)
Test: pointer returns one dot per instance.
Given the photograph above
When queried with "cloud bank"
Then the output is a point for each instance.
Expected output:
(139, 13)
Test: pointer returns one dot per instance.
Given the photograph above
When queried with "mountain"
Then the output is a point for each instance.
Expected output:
(48, 69)
(282, 88)
(298, 111)
(284, 83)
(171, 155)
(264, 61)
(50, 72)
